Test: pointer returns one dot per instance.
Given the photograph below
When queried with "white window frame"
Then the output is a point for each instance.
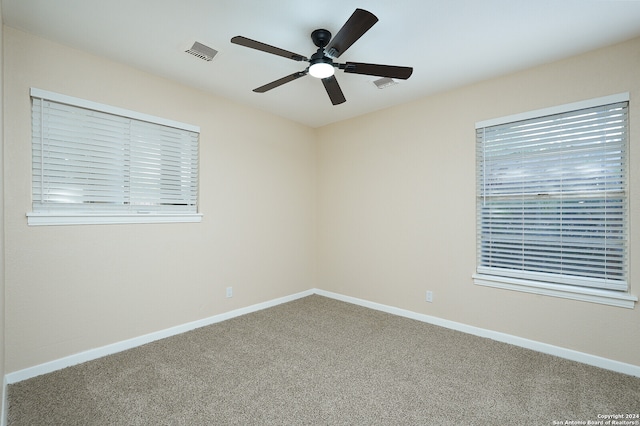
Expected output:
(60, 214)
(576, 292)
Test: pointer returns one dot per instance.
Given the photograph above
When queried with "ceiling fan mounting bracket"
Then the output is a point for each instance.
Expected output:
(321, 37)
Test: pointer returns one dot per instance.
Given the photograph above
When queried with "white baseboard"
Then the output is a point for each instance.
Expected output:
(597, 361)
(92, 354)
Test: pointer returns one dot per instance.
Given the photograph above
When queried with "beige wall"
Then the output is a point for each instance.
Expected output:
(74, 288)
(397, 206)
(380, 207)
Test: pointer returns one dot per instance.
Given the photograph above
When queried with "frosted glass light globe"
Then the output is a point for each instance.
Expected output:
(321, 70)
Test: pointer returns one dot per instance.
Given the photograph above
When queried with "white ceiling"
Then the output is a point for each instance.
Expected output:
(449, 43)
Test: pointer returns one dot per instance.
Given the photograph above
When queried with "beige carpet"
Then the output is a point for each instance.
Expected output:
(318, 361)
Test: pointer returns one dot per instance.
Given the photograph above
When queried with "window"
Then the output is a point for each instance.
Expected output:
(94, 163)
(552, 202)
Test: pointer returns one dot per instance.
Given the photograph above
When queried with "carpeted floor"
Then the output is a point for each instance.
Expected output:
(318, 361)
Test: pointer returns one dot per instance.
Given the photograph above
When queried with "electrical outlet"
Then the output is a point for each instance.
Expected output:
(429, 296)
(229, 291)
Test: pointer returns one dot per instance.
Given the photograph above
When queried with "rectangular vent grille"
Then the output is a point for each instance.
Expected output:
(201, 51)
(384, 82)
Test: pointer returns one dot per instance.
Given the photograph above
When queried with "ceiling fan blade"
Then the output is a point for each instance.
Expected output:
(247, 42)
(390, 71)
(280, 82)
(333, 90)
(358, 24)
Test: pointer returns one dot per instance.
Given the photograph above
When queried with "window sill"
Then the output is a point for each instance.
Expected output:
(605, 297)
(37, 219)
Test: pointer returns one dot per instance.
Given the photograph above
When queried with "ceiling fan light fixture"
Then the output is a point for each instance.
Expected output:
(321, 70)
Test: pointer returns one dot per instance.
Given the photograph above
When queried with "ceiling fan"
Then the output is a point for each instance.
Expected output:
(321, 64)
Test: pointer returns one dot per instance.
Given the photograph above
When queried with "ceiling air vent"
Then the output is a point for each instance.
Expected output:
(201, 51)
(383, 83)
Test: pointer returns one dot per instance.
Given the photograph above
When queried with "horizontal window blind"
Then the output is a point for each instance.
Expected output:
(91, 161)
(552, 198)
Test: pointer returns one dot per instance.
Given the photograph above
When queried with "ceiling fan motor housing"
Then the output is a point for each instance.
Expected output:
(320, 57)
